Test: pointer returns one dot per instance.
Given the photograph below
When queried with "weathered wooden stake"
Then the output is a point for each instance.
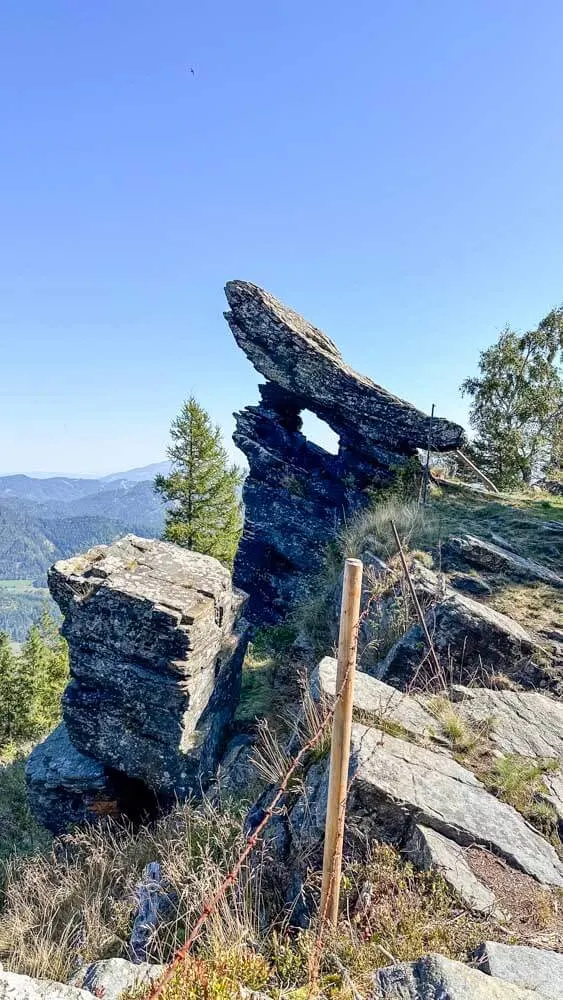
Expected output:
(341, 736)
(481, 475)
(427, 465)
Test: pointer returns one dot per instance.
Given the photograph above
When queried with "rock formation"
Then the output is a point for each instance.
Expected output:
(155, 677)
(410, 787)
(297, 494)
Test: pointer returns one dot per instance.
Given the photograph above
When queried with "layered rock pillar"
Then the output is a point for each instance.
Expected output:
(156, 657)
(296, 494)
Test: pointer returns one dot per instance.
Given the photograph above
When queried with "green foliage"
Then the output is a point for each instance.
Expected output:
(19, 832)
(517, 402)
(263, 694)
(519, 781)
(204, 510)
(222, 977)
(32, 682)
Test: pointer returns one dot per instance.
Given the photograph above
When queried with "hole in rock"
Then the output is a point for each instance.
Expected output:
(319, 433)
(136, 800)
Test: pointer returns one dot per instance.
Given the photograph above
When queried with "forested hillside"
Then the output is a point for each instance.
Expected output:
(42, 520)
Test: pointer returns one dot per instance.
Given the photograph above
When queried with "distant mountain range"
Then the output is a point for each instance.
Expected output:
(42, 520)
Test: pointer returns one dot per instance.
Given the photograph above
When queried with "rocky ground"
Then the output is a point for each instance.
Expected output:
(456, 790)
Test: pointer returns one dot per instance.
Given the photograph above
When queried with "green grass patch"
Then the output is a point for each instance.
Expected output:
(519, 781)
(262, 697)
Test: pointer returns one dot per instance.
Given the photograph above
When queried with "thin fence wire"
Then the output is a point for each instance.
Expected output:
(251, 842)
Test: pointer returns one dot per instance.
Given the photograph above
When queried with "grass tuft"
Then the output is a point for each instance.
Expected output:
(519, 781)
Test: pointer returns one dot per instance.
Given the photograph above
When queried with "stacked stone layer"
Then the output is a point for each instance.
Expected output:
(155, 677)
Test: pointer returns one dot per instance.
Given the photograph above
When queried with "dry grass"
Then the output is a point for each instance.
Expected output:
(372, 528)
(76, 903)
(536, 606)
(533, 910)
(386, 601)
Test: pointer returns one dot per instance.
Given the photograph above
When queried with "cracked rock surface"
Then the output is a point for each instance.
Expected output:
(155, 662)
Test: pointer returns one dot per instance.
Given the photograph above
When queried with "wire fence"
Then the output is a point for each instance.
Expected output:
(349, 631)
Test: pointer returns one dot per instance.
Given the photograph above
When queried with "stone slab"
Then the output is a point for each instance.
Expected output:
(435, 977)
(429, 850)
(532, 968)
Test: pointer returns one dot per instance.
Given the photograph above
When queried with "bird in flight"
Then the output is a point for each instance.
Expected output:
(191, 70)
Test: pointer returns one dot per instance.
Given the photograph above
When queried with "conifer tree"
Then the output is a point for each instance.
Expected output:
(32, 682)
(46, 661)
(8, 713)
(204, 512)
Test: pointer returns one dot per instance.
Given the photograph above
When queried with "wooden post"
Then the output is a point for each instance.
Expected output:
(341, 736)
(481, 475)
(427, 466)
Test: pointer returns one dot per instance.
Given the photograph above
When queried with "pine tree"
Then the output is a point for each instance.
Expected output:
(202, 488)
(53, 672)
(32, 668)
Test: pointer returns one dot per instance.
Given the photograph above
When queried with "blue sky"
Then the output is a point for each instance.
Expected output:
(391, 170)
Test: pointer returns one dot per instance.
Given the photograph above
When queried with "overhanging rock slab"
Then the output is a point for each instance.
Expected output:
(297, 494)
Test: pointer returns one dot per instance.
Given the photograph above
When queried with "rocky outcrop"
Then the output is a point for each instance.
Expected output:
(155, 664)
(376, 703)
(107, 979)
(65, 788)
(497, 559)
(408, 789)
(525, 723)
(395, 783)
(437, 978)
(16, 987)
(297, 494)
(472, 641)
